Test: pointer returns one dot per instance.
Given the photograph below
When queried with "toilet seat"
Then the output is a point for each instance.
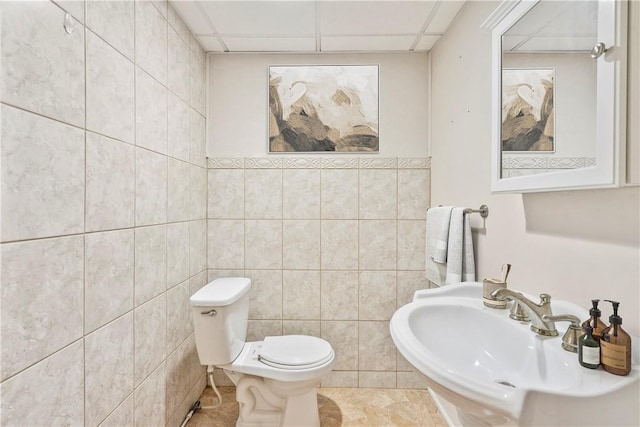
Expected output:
(292, 352)
(250, 362)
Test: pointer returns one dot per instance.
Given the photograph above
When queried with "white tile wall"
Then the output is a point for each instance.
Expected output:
(177, 253)
(41, 300)
(178, 207)
(104, 231)
(121, 416)
(56, 383)
(151, 41)
(151, 113)
(150, 340)
(108, 368)
(42, 176)
(179, 131)
(151, 187)
(150, 262)
(110, 91)
(108, 270)
(110, 183)
(113, 22)
(333, 245)
(33, 75)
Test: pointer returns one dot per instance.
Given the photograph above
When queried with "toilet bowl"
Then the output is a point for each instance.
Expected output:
(276, 378)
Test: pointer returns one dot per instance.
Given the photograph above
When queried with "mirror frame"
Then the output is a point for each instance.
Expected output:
(609, 170)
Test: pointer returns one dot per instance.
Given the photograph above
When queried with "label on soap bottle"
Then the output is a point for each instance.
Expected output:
(591, 355)
(614, 355)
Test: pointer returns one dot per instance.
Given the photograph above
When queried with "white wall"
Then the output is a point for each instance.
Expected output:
(575, 245)
(238, 89)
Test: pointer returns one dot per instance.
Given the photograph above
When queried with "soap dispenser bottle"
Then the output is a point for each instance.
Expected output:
(597, 325)
(588, 350)
(615, 345)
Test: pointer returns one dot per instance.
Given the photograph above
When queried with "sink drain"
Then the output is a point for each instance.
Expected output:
(507, 383)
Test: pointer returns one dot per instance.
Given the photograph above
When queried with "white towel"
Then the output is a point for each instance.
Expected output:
(449, 246)
(438, 220)
(460, 259)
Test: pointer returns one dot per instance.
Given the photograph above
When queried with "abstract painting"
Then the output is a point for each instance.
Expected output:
(323, 108)
(527, 110)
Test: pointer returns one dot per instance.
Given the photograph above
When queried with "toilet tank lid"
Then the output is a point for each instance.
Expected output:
(221, 292)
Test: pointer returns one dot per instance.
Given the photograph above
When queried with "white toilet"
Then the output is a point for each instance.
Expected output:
(275, 379)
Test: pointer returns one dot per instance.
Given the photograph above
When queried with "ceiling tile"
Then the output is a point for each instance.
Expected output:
(574, 43)
(426, 43)
(581, 18)
(210, 43)
(291, 25)
(538, 17)
(270, 44)
(509, 42)
(447, 10)
(340, 18)
(373, 43)
(193, 15)
(262, 17)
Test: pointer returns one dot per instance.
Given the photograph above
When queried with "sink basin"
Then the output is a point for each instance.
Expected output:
(496, 371)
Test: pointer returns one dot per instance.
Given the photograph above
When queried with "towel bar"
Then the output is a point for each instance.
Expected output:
(483, 211)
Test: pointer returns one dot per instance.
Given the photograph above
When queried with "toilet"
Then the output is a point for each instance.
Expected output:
(276, 378)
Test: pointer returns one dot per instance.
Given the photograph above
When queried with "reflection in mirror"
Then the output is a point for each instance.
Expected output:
(549, 95)
(558, 114)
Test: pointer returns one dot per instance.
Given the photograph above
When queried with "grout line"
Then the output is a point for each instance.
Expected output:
(17, 107)
(84, 255)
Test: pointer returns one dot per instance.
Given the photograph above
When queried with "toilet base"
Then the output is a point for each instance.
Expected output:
(265, 402)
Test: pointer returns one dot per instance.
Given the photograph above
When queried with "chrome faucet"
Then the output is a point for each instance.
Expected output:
(540, 314)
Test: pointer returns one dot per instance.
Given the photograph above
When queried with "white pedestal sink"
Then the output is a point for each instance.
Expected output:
(496, 371)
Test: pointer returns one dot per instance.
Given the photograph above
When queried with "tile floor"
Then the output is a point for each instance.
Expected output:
(340, 407)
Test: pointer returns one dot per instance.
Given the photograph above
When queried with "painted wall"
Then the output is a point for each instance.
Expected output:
(238, 104)
(103, 214)
(575, 245)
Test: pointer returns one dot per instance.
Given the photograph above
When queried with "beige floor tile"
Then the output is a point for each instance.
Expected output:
(340, 407)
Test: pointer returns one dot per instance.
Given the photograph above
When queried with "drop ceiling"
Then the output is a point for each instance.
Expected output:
(318, 25)
(554, 26)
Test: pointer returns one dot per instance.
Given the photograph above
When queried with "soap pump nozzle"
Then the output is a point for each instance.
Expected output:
(614, 319)
(595, 311)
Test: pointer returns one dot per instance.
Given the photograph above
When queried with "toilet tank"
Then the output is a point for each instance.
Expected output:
(220, 312)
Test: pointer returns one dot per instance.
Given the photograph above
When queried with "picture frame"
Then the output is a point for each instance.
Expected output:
(528, 113)
(323, 108)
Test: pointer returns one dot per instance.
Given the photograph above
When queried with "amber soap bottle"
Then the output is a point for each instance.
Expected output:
(615, 345)
(597, 325)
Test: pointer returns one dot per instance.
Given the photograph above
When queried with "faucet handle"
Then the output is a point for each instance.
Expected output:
(574, 332)
(545, 299)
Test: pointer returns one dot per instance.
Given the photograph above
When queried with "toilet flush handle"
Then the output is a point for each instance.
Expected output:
(209, 313)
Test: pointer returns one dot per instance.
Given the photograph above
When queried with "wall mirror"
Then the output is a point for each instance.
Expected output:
(559, 95)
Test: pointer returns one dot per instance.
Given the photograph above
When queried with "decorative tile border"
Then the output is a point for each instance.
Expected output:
(319, 163)
(414, 163)
(379, 163)
(339, 163)
(301, 163)
(263, 163)
(547, 162)
(225, 163)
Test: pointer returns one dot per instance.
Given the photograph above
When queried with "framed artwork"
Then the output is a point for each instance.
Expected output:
(323, 108)
(528, 115)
